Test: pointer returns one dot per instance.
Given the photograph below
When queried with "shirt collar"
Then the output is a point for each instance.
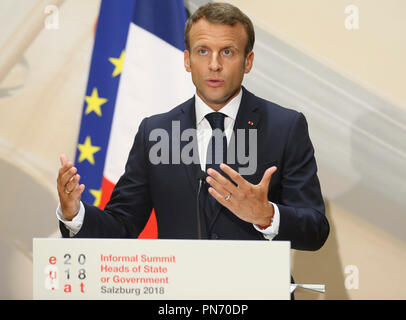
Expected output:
(230, 109)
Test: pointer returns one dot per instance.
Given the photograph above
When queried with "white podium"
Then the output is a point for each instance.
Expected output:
(161, 269)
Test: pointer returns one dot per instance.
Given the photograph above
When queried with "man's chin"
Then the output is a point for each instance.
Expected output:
(216, 98)
(217, 103)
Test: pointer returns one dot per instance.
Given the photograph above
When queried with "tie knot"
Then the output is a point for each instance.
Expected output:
(216, 120)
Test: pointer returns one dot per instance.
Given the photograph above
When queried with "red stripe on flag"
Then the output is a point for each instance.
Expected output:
(107, 189)
(151, 229)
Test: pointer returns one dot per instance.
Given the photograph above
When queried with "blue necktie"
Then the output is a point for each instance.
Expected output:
(217, 148)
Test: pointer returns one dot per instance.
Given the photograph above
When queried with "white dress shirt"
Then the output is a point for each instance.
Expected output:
(204, 132)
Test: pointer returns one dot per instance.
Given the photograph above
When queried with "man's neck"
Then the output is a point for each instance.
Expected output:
(218, 107)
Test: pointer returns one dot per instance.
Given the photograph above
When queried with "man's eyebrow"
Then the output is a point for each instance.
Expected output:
(223, 48)
(199, 46)
(230, 47)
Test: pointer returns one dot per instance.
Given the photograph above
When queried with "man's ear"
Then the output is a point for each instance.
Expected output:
(186, 59)
(249, 60)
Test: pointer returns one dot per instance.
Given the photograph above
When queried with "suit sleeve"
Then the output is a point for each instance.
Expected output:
(301, 205)
(130, 205)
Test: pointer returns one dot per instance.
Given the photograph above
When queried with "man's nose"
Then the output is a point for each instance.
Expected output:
(215, 64)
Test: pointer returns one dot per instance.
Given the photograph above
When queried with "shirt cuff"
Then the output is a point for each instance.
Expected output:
(76, 223)
(272, 231)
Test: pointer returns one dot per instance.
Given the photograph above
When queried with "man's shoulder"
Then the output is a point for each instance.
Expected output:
(270, 108)
(166, 118)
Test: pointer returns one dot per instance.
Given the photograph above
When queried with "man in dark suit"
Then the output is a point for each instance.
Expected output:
(280, 199)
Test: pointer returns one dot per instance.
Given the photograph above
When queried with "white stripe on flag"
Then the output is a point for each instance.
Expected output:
(153, 81)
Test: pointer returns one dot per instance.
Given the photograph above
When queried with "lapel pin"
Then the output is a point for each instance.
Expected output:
(250, 123)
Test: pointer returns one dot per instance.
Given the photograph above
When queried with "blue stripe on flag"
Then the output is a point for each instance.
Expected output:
(165, 19)
(110, 41)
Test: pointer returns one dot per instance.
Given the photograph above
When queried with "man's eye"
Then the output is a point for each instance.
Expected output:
(227, 52)
(203, 51)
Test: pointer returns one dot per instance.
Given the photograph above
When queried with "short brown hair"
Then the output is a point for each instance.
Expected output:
(222, 13)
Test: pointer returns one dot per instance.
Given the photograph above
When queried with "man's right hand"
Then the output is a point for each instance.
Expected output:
(69, 190)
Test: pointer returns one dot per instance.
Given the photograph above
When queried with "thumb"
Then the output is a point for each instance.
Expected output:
(266, 179)
(63, 159)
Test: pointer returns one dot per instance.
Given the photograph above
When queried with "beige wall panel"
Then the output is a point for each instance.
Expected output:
(40, 109)
(379, 258)
(373, 55)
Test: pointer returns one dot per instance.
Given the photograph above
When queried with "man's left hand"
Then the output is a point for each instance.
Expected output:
(247, 201)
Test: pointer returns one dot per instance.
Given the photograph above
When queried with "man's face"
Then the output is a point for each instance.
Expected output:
(216, 60)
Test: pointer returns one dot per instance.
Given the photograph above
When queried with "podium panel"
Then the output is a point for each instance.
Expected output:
(142, 269)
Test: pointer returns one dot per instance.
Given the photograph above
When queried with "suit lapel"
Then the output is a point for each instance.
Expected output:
(247, 119)
(188, 121)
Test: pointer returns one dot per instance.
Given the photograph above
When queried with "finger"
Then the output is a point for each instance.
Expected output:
(223, 190)
(63, 177)
(67, 176)
(73, 183)
(266, 179)
(226, 203)
(66, 166)
(223, 182)
(236, 177)
(77, 191)
(63, 159)
(226, 183)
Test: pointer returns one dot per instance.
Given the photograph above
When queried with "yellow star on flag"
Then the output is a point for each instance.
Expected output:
(97, 196)
(87, 151)
(118, 64)
(94, 102)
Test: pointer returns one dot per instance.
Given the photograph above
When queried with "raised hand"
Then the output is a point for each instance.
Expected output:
(247, 201)
(69, 190)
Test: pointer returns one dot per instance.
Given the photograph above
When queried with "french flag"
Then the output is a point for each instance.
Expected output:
(136, 71)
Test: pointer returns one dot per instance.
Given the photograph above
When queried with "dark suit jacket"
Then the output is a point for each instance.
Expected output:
(171, 189)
